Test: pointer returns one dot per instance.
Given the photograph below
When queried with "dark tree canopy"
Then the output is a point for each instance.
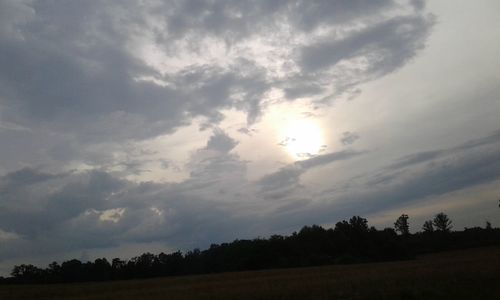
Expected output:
(442, 222)
(359, 224)
(401, 225)
(428, 227)
(350, 241)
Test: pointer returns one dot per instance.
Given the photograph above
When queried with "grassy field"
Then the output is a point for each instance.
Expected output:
(464, 274)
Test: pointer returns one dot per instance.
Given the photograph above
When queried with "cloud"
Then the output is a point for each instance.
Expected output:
(310, 16)
(87, 85)
(97, 209)
(363, 54)
(221, 142)
(47, 200)
(24, 177)
(79, 71)
(428, 174)
(348, 138)
(460, 168)
(287, 179)
(324, 159)
(83, 79)
(51, 215)
(425, 156)
(301, 90)
(12, 15)
(417, 158)
(380, 45)
(83, 72)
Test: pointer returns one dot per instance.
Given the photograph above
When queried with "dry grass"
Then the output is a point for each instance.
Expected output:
(465, 274)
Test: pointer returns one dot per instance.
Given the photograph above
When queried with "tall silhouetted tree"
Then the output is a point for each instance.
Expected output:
(442, 222)
(401, 225)
(428, 227)
(488, 225)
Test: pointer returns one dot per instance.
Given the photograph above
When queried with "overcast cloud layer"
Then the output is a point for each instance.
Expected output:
(130, 126)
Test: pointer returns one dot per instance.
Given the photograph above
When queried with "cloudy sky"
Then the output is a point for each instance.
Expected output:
(133, 126)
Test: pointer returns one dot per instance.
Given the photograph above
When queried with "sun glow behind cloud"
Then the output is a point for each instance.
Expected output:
(302, 138)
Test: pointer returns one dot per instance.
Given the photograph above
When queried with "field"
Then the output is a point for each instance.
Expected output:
(463, 274)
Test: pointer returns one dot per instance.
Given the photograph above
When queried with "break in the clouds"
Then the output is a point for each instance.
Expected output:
(175, 124)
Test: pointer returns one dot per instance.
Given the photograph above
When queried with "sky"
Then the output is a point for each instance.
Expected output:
(134, 126)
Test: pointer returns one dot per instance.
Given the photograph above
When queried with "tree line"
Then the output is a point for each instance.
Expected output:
(350, 241)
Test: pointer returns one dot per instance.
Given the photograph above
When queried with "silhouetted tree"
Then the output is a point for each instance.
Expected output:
(488, 225)
(442, 222)
(73, 270)
(343, 227)
(359, 224)
(26, 273)
(428, 227)
(401, 225)
(101, 269)
(118, 264)
(350, 241)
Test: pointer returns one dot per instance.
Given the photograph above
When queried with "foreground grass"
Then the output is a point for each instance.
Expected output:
(464, 274)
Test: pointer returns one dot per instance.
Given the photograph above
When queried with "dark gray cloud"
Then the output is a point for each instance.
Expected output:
(96, 209)
(71, 71)
(311, 15)
(458, 170)
(221, 142)
(348, 138)
(487, 140)
(362, 54)
(56, 213)
(70, 67)
(324, 159)
(417, 158)
(433, 173)
(34, 202)
(303, 89)
(24, 177)
(426, 156)
(379, 44)
(287, 179)
(235, 20)
(447, 175)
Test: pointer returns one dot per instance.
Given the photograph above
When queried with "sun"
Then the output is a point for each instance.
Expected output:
(302, 138)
